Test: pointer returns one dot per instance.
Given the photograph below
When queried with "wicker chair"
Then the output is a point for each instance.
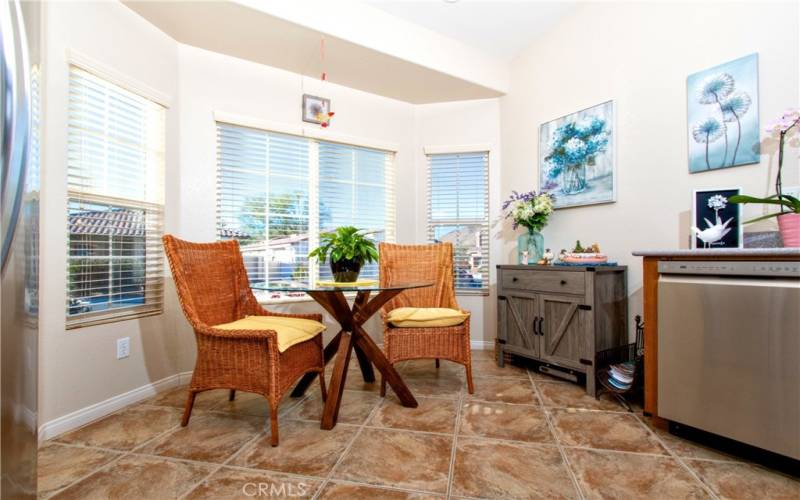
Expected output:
(213, 289)
(414, 263)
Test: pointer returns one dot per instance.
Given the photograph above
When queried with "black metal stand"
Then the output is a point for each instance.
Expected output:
(629, 352)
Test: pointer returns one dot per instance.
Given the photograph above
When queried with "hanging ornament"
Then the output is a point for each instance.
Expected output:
(324, 115)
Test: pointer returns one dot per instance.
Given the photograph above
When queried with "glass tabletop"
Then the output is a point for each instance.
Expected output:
(324, 287)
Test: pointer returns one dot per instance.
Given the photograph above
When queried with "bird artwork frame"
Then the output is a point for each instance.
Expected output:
(317, 110)
(716, 222)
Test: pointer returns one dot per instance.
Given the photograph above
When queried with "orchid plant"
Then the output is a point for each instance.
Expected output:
(529, 210)
(785, 129)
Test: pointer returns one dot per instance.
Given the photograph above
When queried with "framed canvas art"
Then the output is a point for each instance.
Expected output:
(722, 112)
(717, 222)
(577, 161)
(316, 109)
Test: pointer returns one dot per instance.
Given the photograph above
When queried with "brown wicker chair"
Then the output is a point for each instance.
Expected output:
(213, 289)
(415, 263)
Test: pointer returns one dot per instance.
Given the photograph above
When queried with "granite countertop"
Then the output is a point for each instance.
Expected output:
(720, 252)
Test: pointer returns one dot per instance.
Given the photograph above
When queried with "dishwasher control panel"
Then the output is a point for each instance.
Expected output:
(764, 269)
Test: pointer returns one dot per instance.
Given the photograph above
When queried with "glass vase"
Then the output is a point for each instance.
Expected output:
(573, 179)
(531, 242)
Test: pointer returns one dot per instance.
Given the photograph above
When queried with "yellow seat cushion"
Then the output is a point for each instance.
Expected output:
(290, 331)
(426, 317)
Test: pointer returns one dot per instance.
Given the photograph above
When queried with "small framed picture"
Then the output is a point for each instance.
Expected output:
(717, 221)
(316, 109)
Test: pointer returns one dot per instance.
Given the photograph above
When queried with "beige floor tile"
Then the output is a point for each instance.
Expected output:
(626, 475)
(483, 354)
(61, 465)
(501, 390)
(490, 469)
(236, 483)
(432, 415)
(350, 491)
(428, 367)
(354, 407)
(398, 458)
(209, 437)
(256, 405)
(567, 395)
(688, 449)
(440, 384)
(505, 421)
(126, 429)
(176, 398)
(138, 477)
(602, 430)
(304, 449)
(744, 481)
(484, 367)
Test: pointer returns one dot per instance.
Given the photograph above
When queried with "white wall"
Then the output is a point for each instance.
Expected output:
(639, 55)
(462, 126)
(267, 97)
(79, 367)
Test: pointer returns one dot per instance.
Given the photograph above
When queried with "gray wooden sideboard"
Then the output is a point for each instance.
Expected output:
(561, 316)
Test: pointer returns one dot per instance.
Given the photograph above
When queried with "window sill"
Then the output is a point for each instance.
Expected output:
(473, 293)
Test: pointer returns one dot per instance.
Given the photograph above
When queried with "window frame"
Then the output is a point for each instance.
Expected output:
(314, 139)
(151, 204)
(430, 224)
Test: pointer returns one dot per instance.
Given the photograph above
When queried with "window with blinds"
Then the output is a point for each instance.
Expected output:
(115, 182)
(458, 212)
(276, 193)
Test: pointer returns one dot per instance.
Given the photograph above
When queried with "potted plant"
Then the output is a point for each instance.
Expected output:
(348, 248)
(531, 211)
(785, 130)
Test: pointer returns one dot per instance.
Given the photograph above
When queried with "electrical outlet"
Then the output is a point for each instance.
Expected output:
(123, 347)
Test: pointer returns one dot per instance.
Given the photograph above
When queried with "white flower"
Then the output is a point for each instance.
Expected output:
(575, 146)
(714, 88)
(717, 202)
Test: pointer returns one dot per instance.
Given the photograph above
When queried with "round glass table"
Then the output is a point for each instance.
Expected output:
(351, 337)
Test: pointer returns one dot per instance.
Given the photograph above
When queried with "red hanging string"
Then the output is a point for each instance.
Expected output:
(322, 57)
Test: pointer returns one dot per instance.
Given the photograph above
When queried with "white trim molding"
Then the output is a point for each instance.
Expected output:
(463, 148)
(482, 345)
(99, 410)
(312, 132)
(76, 58)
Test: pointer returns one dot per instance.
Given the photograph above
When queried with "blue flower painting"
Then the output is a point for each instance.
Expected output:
(723, 115)
(576, 157)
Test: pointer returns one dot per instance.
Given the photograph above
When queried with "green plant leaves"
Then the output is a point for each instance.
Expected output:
(785, 200)
(345, 242)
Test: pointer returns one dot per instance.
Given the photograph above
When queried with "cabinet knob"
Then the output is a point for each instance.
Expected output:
(563, 282)
(514, 278)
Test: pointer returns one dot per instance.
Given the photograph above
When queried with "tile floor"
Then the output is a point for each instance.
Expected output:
(521, 435)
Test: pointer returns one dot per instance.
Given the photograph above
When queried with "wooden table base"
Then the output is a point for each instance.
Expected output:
(353, 337)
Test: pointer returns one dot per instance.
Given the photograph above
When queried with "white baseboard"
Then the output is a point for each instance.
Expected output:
(99, 410)
(482, 345)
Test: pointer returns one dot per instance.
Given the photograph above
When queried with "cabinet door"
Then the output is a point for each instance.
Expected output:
(517, 314)
(565, 338)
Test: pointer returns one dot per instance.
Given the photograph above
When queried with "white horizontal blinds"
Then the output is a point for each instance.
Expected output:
(356, 188)
(458, 212)
(263, 201)
(277, 192)
(115, 182)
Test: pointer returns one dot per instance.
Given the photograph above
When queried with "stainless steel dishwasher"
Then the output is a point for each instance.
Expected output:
(729, 350)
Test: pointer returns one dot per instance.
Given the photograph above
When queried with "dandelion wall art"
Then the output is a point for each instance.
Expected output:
(576, 157)
(723, 115)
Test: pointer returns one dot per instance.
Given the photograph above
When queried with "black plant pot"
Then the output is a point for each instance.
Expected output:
(346, 270)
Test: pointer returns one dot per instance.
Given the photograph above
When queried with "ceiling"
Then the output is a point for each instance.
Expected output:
(231, 28)
(500, 28)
